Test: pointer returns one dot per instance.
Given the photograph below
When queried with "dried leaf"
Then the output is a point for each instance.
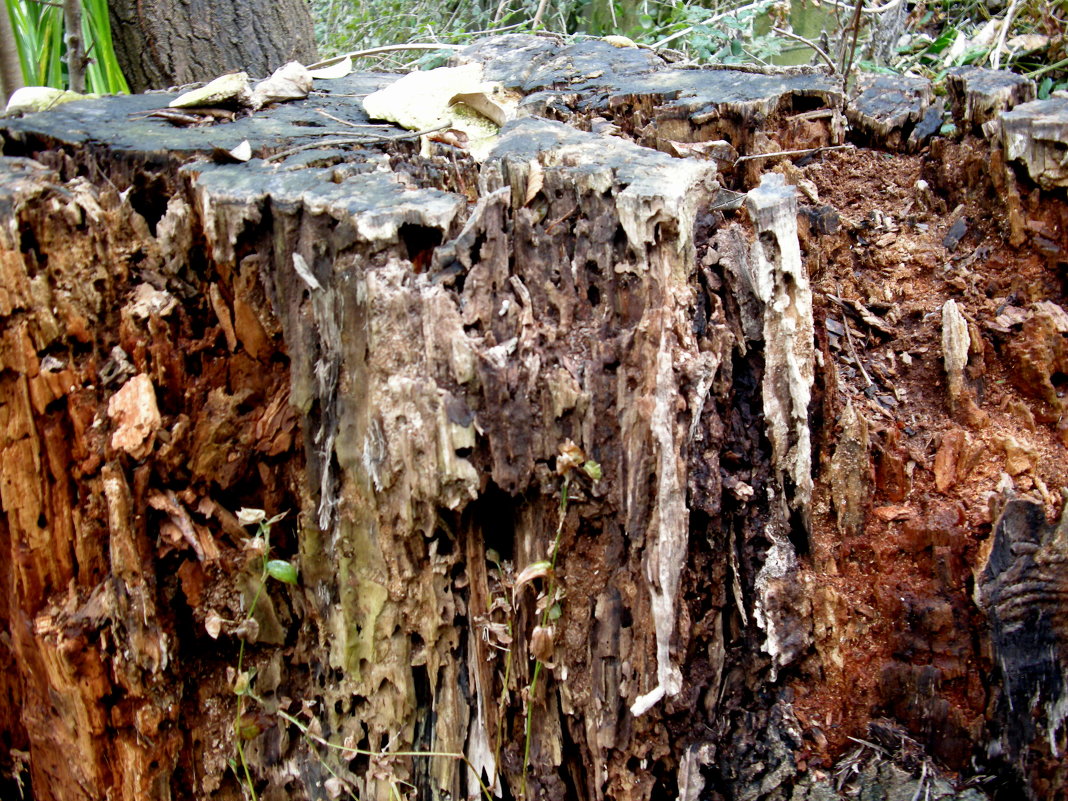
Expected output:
(250, 517)
(492, 101)
(421, 101)
(541, 643)
(226, 89)
(618, 41)
(248, 630)
(535, 181)
(39, 98)
(291, 81)
(239, 154)
(332, 71)
(888, 513)
(535, 570)
(213, 624)
(571, 456)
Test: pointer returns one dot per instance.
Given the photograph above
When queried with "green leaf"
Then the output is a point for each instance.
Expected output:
(282, 570)
(592, 469)
(555, 611)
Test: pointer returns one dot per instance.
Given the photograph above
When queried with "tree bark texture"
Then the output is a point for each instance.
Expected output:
(10, 69)
(795, 540)
(161, 43)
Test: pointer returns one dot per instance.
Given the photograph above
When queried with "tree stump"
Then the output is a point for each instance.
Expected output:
(555, 438)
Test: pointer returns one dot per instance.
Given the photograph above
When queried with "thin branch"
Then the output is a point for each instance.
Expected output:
(374, 51)
(76, 58)
(804, 152)
(348, 124)
(808, 43)
(707, 22)
(850, 7)
(847, 65)
(541, 12)
(995, 61)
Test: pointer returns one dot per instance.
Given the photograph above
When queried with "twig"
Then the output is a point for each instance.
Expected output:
(76, 57)
(330, 116)
(541, 11)
(995, 61)
(808, 43)
(356, 751)
(706, 23)
(374, 51)
(871, 11)
(864, 373)
(366, 140)
(804, 152)
(847, 65)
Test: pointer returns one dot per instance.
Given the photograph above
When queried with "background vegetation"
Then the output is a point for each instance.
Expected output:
(895, 35)
(39, 36)
(926, 37)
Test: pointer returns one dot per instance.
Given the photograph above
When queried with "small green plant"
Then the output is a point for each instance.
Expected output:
(38, 27)
(549, 607)
(248, 724)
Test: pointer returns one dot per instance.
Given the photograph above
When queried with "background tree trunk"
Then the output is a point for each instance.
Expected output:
(10, 69)
(825, 412)
(161, 43)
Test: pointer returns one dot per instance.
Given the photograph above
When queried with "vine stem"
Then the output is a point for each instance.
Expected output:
(538, 664)
(385, 754)
(240, 669)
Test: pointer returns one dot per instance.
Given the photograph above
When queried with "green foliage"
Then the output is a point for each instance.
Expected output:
(1026, 36)
(38, 28)
(282, 570)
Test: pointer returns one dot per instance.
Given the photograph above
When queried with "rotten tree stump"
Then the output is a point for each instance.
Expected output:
(411, 354)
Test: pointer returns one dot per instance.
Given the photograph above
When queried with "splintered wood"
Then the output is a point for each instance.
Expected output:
(653, 455)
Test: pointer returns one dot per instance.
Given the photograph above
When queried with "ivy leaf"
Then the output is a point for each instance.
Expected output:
(282, 570)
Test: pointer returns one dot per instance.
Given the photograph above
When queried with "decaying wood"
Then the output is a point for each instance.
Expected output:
(895, 110)
(978, 95)
(1036, 134)
(399, 347)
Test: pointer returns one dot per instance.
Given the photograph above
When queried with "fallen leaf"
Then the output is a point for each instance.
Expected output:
(241, 153)
(337, 70)
(232, 88)
(535, 181)
(213, 624)
(250, 517)
(1026, 42)
(535, 570)
(40, 98)
(420, 101)
(289, 82)
(541, 643)
(492, 101)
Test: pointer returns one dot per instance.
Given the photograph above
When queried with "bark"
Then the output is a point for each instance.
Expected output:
(796, 538)
(161, 43)
(10, 69)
